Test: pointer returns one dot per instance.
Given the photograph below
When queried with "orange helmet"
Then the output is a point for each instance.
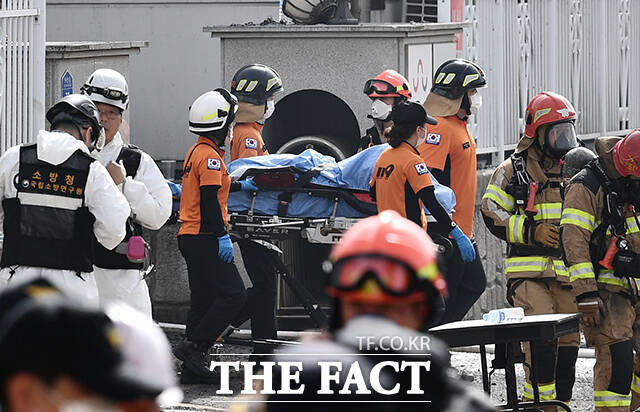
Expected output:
(626, 154)
(387, 259)
(389, 83)
(547, 107)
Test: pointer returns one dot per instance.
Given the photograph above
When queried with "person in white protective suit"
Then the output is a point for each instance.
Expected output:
(56, 199)
(119, 276)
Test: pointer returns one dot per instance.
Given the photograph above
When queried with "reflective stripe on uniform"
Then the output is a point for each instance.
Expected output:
(502, 198)
(608, 278)
(581, 271)
(526, 264)
(608, 398)
(560, 269)
(546, 392)
(635, 384)
(632, 226)
(548, 211)
(515, 233)
(578, 218)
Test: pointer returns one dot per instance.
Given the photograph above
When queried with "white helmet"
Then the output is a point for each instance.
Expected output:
(213, 110)
(109, 87)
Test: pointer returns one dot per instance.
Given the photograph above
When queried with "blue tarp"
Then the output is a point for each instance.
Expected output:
(352, 173)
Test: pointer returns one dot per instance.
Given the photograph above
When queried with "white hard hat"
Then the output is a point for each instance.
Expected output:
(107, 86)
(213, 110)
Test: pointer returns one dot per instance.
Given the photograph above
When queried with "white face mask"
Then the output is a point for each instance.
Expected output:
(229, 138)
(422, 138)
(475, 102)
(271, 107)
(380, 110)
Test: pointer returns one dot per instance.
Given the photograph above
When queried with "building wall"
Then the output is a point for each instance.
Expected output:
(180, 63)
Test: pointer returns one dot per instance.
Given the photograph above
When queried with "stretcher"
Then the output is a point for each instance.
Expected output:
(309, 195)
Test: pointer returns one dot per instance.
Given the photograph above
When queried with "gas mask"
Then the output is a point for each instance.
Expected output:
(475, 102)
(631, 191)
(559, 138)
(380, 110)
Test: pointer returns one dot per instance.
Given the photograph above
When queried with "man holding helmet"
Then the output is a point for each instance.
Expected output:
(117, 273)
(386, 90)
(601, 243)
(56, 198)
(522, 205)
(450, 153)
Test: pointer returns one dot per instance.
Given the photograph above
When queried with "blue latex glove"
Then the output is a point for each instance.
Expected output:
(248, 184)
(467, 250)
(225, 249)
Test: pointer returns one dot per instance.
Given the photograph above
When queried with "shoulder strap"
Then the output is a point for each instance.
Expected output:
(613, 214)
(131, 156)
(520, 174)
(187, 165)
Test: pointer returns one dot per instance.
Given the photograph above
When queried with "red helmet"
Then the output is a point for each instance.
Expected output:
(389, 83)
(547, 107)
(626, 154)
(386, 259)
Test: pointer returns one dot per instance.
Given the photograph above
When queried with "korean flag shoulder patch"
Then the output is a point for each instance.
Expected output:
(251, 143)
(422, 168)
(213, 164)
(433, 138)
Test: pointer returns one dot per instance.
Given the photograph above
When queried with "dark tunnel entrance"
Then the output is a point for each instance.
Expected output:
(313, 119)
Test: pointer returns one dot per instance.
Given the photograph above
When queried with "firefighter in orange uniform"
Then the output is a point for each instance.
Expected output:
(386, 90)
(217, 291)
(402, 181)
(601, 242)
(450, 152)
(255, 87)
(522, 206)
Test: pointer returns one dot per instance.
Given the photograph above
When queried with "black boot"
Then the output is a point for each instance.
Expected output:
(188, 377)
(193, 356)
(566, 372)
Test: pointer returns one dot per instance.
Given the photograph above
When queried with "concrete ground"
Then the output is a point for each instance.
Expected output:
(203, 397)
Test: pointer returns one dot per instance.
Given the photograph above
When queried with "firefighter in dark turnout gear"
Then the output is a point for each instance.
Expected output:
(56, 198)
(522, 205)
(601, 240)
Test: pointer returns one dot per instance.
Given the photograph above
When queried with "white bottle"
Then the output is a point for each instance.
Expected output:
(504, 315)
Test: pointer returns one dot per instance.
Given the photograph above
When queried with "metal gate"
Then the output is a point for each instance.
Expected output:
(582, 49)
(22, 70)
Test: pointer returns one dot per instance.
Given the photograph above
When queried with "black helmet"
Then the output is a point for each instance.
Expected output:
(456, 76)
(575, 160)
(79, 110)
(255, 83)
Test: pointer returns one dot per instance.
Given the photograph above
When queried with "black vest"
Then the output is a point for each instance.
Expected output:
(47, 224)
(112, 259)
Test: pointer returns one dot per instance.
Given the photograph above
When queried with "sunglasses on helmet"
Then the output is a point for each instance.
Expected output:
(394, 277)
(382, 87)
(111, 93)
